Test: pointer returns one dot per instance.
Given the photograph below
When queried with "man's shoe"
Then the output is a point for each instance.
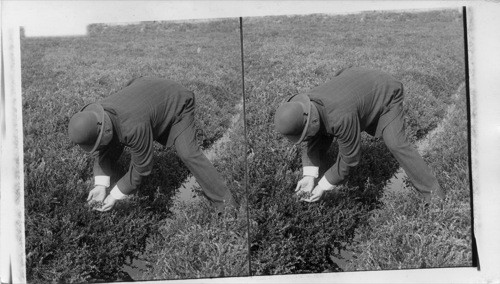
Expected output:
(436, 197)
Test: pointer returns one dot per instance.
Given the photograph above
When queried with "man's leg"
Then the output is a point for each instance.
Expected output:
(205, 173)
(410, 160)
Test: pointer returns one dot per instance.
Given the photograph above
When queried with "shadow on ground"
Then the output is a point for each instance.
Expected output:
(291, 236)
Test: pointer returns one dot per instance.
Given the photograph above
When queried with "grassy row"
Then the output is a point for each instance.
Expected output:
(289, 55)
(65, 240)
(195, 243)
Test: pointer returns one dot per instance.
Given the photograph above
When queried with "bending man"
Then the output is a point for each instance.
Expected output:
(355, 100)
(146, 110)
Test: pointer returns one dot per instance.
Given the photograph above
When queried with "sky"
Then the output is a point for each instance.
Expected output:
(59, 18)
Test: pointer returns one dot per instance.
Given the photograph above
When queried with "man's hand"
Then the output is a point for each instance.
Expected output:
(109, 202)
(316, 195)
(97, 194)
(305, 185)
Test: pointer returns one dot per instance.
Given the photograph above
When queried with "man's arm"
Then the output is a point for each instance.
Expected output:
(312, 153)
(141, 152)
(104, 162)
(348, 132)
(311, 162)
(349, 141)
(103, 169)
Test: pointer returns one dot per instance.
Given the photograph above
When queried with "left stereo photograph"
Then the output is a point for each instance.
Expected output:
(134, 162)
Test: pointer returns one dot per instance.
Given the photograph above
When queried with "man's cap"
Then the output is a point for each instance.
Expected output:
(89, 126)
(297, 119)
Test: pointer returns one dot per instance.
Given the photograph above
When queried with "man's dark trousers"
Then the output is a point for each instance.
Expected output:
(205, 173)
(409, 159)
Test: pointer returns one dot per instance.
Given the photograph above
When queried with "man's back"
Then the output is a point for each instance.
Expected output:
(367, 93)
(148, 102)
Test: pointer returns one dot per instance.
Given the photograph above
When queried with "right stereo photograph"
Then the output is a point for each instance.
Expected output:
(358, 142)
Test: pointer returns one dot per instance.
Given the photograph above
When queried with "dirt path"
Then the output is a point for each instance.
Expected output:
(396, 183)
(218, 145)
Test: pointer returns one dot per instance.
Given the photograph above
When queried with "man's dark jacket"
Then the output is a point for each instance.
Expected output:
(146, 110)
(355, 100)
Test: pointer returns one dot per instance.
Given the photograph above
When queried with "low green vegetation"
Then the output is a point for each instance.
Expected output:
(288, 55)
(66, 241)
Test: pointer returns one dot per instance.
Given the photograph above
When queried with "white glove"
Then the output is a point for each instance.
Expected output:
(317, 192)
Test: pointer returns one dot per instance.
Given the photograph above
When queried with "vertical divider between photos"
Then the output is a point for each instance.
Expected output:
(4, 260)
(246, 143)
(475, 256)
(12, 260)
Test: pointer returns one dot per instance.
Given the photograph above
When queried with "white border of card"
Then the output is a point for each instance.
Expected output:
(41, 17)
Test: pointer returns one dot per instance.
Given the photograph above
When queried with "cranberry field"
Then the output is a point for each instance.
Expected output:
(363, 226)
